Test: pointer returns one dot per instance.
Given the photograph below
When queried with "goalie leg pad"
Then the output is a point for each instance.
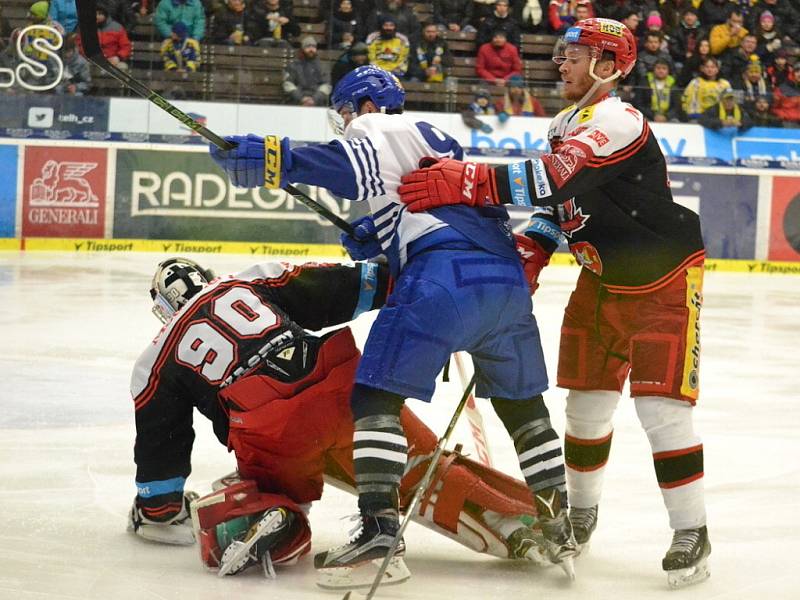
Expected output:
(223, 517)
(461, 492)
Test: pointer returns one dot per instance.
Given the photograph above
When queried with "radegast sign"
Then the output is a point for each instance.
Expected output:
(180, 194)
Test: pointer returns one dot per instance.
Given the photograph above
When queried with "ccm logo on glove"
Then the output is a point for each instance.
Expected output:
(469, 180)
(272, 162)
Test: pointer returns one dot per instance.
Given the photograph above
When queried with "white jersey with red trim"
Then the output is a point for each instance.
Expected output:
(605, 183)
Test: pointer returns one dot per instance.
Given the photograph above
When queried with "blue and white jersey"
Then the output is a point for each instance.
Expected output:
(377, 150)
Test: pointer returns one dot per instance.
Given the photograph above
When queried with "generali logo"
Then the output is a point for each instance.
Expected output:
(63, 184)
(62, 195)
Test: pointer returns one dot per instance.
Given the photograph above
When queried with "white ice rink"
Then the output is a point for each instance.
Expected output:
(72, 325)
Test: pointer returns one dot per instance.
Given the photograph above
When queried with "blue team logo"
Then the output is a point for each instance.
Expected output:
(573, 35)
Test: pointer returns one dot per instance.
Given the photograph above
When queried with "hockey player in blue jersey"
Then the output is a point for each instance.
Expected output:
(460, 285)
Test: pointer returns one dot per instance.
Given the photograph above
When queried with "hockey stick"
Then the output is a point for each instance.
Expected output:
(87, 25)
(421, 488)
(474, 417)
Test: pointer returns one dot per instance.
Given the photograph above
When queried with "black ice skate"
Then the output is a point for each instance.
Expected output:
(584, 522)
(686, 561)
(356, 563)
(559, 540)
(256, 543)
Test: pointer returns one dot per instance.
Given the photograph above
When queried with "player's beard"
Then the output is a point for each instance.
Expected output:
(575, 90)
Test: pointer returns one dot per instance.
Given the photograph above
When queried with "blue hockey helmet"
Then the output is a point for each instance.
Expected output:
(369, 82)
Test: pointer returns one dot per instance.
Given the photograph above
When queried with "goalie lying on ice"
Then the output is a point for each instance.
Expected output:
(237, 348)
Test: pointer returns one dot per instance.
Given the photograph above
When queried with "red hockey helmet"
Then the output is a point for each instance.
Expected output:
(603, 35)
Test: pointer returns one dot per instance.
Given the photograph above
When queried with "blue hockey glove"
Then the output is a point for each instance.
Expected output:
(486, 128)
(363, 244)
(246, 164)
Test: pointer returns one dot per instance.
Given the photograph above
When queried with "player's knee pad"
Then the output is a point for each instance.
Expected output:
(227, 514)
(459, 494)
(367, 401)
(590, 413)
(667, 422)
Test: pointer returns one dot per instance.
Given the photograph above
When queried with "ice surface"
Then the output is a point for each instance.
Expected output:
(72, 325)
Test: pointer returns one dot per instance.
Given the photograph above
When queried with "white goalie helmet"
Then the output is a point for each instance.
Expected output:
(175, 282)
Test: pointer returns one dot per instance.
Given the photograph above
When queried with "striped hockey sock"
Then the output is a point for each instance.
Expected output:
(379, 458)
(540, 456)
(536, 442)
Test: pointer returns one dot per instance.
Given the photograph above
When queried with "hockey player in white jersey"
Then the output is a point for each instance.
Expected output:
(460, 285)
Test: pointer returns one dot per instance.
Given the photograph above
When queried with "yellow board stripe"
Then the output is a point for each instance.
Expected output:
(768, 267)
(315, 250)
(690, 378)
(93, 246)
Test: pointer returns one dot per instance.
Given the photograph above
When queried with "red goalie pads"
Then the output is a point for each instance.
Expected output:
(464, 485)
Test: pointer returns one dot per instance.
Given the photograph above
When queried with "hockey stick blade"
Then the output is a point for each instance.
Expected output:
(423, 484)
(87, 25)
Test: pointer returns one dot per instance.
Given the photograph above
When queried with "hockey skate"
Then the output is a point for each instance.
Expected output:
(527, 543)
(253, 545)
(559, 541)
(686, 561)
(356, 564)
(584, 522)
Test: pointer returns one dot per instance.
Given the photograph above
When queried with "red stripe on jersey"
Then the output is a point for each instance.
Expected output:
(690, 261)
(686, 481)
(624, 153)
(185, 321)
(674, 453)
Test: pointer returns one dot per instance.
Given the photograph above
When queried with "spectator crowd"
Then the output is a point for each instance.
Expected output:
(719, 63)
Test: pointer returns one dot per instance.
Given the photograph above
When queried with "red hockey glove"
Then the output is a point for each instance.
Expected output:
(446, 182)
(534, 258)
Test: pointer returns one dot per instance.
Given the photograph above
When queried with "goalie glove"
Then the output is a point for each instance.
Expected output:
(176, 530)
(448, 181)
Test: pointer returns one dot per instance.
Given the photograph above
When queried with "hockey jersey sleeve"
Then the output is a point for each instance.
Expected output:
(592, 153)
(369, 162)
(162, 451)
(325, 295)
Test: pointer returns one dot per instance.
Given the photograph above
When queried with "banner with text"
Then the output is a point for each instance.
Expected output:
(182, 194)
(64, 191)
(53, 117)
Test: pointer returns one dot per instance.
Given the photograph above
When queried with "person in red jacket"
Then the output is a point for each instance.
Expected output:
(114, 41)
(498, 60)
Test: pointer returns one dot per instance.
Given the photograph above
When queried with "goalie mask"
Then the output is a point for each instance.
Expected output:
(175, 282)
